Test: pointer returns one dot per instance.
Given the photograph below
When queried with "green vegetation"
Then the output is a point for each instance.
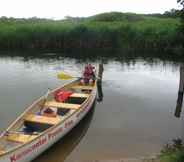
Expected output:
(173, 152)
(104, 31)
(181, 14)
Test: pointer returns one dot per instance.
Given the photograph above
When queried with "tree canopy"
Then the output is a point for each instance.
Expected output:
(181, 2)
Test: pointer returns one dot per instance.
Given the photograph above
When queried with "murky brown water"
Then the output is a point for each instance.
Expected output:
(135, 118)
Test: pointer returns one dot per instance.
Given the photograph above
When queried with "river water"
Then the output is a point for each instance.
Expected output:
(135, 117)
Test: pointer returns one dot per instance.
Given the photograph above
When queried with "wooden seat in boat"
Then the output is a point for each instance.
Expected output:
(2, 151)
(80, 95)
(42, 119)
(19, 137)
(83, 87)
(62, 105)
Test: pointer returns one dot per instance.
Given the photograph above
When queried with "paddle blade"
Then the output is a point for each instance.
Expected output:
(64, 76)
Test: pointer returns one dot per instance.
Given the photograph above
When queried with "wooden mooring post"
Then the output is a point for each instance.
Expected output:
(99, 82)
(100, 72)
(180, 93)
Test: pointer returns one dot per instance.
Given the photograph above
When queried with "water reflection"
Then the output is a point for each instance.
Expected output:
(100, 91)
(179, 105)
(128, 57)
(62, 149)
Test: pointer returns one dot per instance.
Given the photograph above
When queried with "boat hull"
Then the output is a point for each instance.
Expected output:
(31, 150)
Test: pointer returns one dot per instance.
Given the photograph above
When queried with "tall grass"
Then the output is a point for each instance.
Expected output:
(108, 30)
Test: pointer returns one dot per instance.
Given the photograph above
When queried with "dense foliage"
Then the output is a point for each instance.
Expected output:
(107, 30)
(181, 2)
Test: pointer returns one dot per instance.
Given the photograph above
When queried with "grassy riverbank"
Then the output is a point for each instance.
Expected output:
(107, 31)
(173, 152)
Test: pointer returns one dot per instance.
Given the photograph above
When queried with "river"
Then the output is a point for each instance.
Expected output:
(135, 117)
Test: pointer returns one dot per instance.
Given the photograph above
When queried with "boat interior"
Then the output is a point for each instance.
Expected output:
(44, 113)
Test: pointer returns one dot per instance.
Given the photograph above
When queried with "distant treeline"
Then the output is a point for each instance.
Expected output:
(104, 31)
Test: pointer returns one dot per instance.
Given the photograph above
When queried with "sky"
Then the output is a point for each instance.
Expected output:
(58, 9)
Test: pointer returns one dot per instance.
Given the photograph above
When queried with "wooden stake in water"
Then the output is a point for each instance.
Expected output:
(99, 82)
(100, 71)
(180, 93)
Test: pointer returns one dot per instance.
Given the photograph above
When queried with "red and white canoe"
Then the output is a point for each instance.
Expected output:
(34, 131)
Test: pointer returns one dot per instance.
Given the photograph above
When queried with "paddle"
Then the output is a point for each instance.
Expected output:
(65, 76)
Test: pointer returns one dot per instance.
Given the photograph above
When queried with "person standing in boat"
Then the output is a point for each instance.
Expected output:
(88, 75)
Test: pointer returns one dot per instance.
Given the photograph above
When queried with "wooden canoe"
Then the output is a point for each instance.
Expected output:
(18, 145)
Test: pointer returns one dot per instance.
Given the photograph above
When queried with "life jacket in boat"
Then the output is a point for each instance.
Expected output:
(61, 95)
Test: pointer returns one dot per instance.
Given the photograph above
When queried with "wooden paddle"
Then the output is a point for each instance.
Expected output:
(65, 76)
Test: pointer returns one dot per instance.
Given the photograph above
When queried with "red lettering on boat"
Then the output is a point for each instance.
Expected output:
(55, 133)
(20, 155)
(68, 124)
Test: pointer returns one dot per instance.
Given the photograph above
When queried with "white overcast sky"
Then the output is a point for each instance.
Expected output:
(58, 9)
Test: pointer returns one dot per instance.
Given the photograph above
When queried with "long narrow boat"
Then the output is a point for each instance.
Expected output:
(33, 132)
